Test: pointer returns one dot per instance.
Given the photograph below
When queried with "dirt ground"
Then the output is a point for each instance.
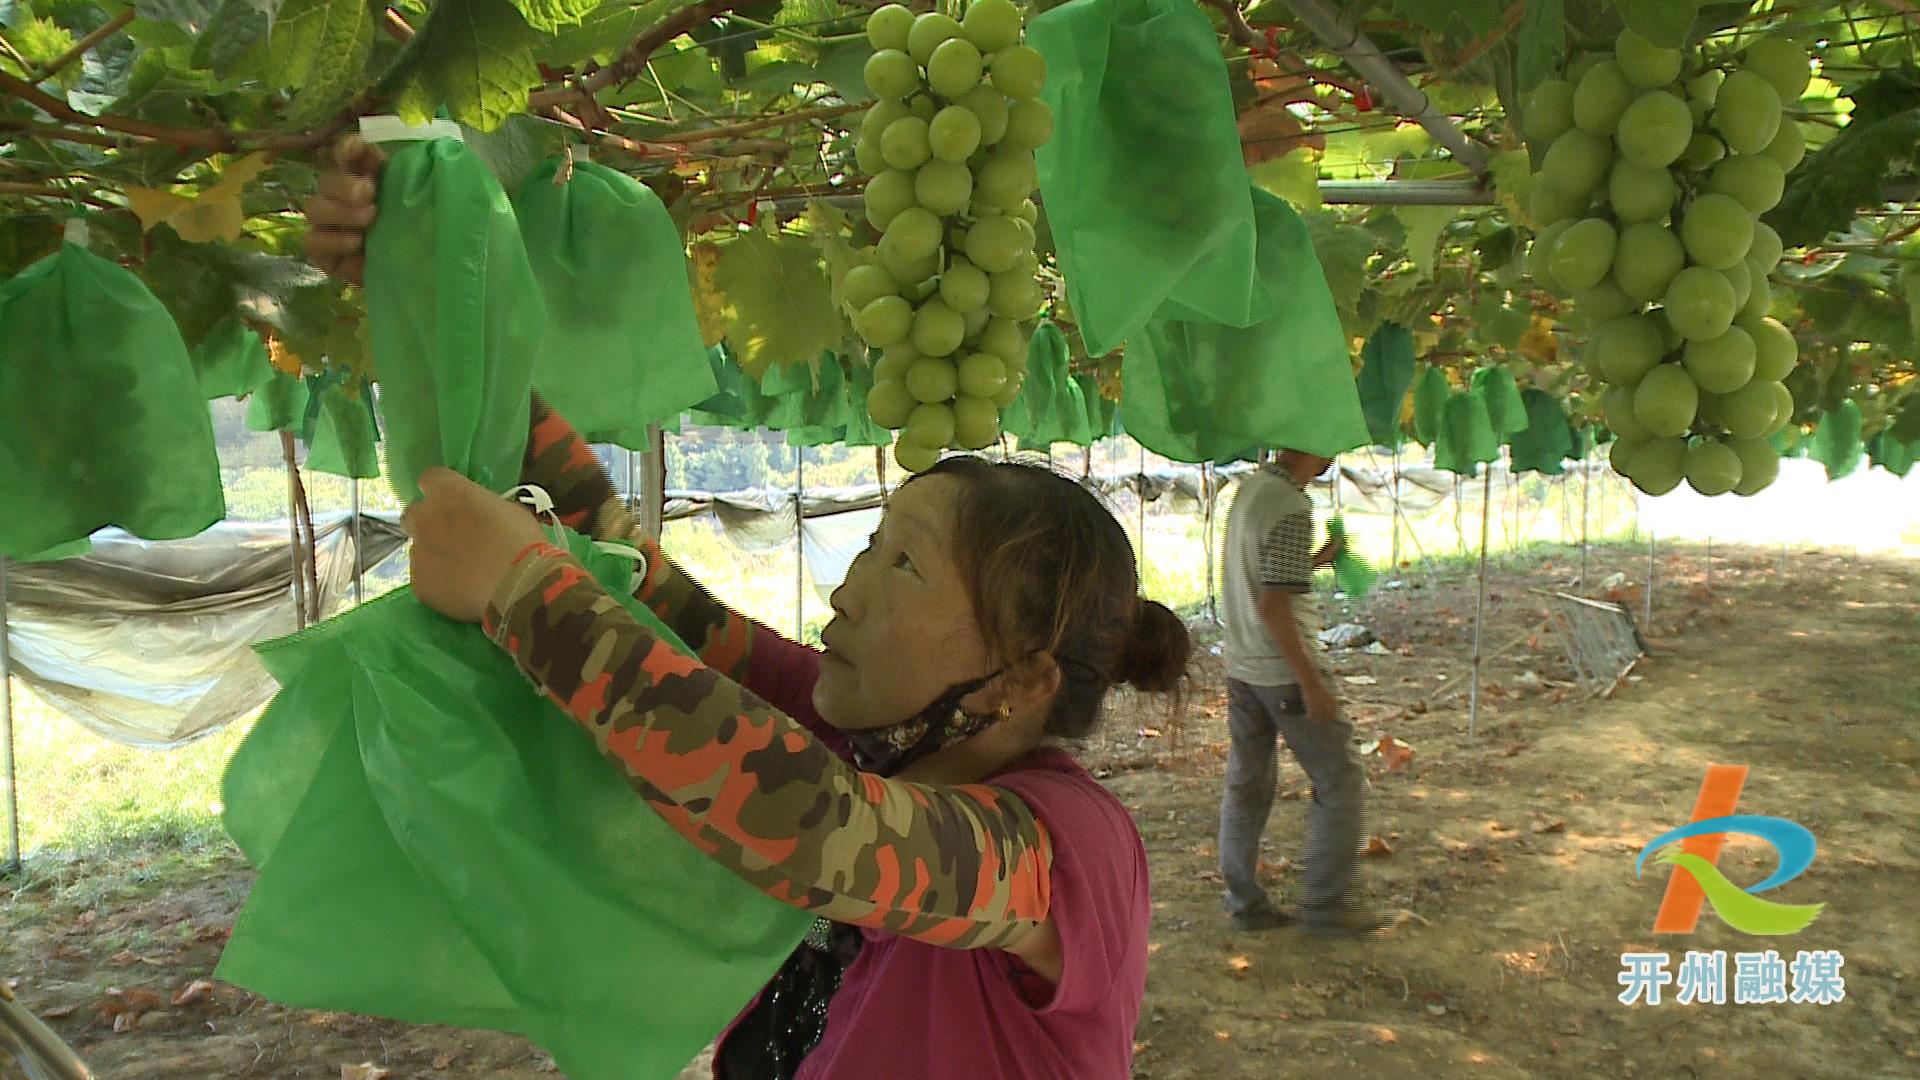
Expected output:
(1508, 858)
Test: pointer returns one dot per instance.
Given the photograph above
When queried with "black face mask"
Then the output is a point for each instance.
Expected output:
(771, 1040)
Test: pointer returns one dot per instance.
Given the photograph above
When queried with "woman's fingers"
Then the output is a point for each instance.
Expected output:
(353, 154)
(346, 187)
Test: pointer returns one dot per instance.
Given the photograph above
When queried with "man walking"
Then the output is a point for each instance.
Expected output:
(1279, 686)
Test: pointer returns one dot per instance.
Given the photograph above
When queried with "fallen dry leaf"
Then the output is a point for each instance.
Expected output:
(1385, 1036)
(1223, 1036)
(125, 1022)
(197, 990)
(1239, 966)
(1149, 733)
(1377, 847)
(1550, 826)
(1394, 753)
(59, 1012)
(123, 958)
(441, 1063)
(365, 1071)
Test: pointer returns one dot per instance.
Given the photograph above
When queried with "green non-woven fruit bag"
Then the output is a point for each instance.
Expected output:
(1353, 574)
(344, 433)
(279, 404)
(1466, 439)
(622, 347)
(1055, 409)
(1144, 180)
(1103, 413)
(1386, 373)
(1196, 391)
(101, 418)
(1548, 440)
(1430, 405)
(438, 843)
(861, 430)
(231, 362)
(456, 319)
(1506, 411)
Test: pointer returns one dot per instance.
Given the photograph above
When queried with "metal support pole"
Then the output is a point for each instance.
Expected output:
(653, 484)
(1647, 619)
(1480, 603)
(633, 483)
(12, 861)
(1140, 490)
(359, 556)
(799, 542)
(880, 470)
(1393, 478)
(1586, 490)
(1207, 496)
(1783, 558)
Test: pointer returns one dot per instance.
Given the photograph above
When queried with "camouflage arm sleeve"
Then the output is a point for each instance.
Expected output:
(559, 460)
(957, 866)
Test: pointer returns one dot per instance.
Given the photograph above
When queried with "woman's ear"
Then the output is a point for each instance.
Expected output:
(1033, 684)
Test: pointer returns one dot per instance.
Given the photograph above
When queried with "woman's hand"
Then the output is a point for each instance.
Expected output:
(465, 538)
(344, 209)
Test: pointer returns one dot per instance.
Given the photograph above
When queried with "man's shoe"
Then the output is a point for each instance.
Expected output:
(1265, 917)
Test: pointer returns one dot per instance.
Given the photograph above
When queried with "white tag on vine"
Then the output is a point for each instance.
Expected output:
(76, 232)
(386, 127)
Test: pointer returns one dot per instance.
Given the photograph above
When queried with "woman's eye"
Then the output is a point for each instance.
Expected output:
(902, 562)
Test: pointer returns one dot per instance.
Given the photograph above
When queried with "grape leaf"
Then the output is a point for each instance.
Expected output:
(709, 305)
(477, 60)
(1851, 170)
(1907, 427)
(1836, 442)
(215, 214)
(233, 44)
(1343, 250)
(1385, 374)
(548, 16)
(1910, 285)
(1663, 22)
(1541, 42)
(827, 226)
(40, 42)
(1474, 17)
(1424, 226)
(190, 14)
(335, 38)
(779, 306)
(604, 33)
(1295, 178)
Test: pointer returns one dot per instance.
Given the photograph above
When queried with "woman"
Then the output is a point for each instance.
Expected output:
(983, 902)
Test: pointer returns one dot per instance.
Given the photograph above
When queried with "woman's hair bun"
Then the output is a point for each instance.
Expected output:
(1157, 651)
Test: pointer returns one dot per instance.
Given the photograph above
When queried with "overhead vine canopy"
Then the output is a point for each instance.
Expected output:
(186, 132)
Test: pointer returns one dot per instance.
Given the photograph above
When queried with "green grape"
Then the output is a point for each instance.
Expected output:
(1584, 253)
(1548, 202)
(904, 144)
(1713, 468)
(1599, 99)
(1747, 112)
(991, 25)
(989, 106)
(1616, 408)
(1705, 86)
(1029, 124)
(1579, 68)
(1640, 194)
(954, 133)
(1010, 391)
(1705, 149)
(1783, 406)
(913, 234)
(964, 286)
(1655, 130)
(1741, 278)
(1019, 72)
(1539, 262)
(1784, 65)
(932, 379)
(1600, 304)
(914, 457)
(1717, 231)
(1766, 248)
(1548, 113)
(954, 69)
(928, 33)
(1759, 465)
(1005, 180)
(1658, 464)
(1723, 364)
(1775, 350)
(1028, 213)
(1643, 63)
(885, 321)
(930, 424)
(894, 363)
(976, 322)
(1627, 348)
(1013, 295)
(1699, 303)
(925, 285)
(1667, 400)
(1748, 412)
(888, 26)
(923, 106)
(1671, 339)
(887, 194)
(1755, 181)
(866, 283)
(867, 156)
(891, 75)
(890, 403)
(1621, 454)
(879, 115)
(937, 329)
(982, 374)
(976, 422)
(943, 187)
(1788, 147)
(910, 273)
(1003, 339)
(1760, 301)
(1646, 260)
(1577, 162)
(995, 243)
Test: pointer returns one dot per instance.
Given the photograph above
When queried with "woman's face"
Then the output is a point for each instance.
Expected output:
(903, 629)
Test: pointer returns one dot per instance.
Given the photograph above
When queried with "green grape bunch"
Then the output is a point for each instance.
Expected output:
(945, 296)
(1656, 167)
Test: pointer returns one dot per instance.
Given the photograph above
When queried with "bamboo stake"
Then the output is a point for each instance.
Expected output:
(1480, 603)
